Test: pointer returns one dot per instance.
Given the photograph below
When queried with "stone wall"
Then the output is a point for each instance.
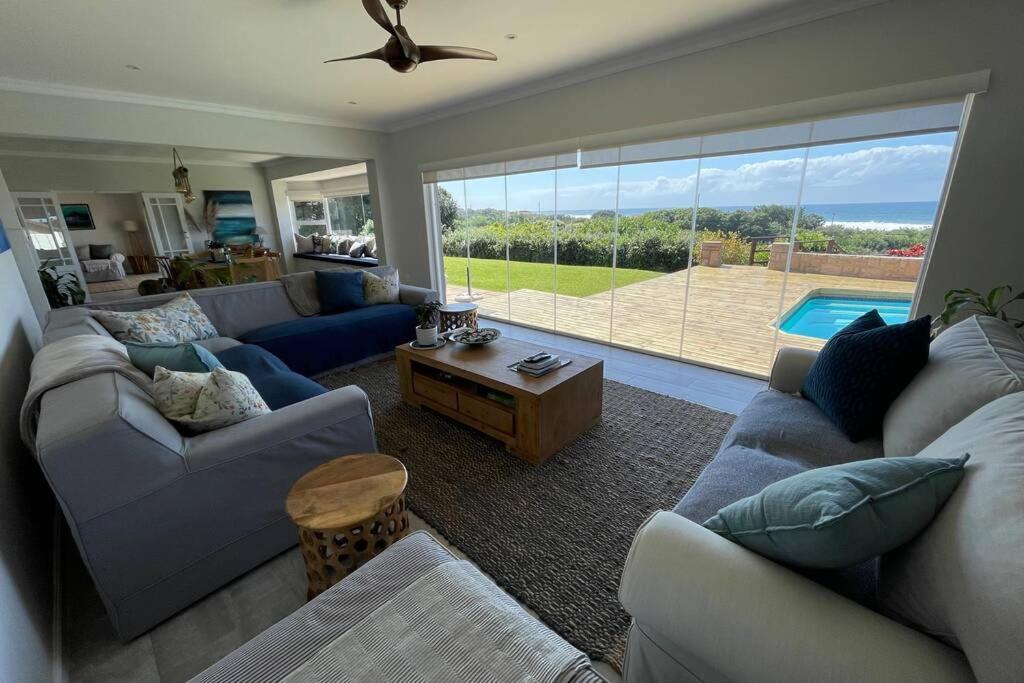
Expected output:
(875, 267)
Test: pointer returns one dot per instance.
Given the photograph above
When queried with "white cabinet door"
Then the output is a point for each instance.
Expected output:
(43, 222)
(166, 222)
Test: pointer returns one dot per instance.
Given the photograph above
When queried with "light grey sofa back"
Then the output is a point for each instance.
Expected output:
(233, 310)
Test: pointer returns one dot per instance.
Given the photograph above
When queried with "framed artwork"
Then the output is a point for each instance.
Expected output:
(77, 216)
(230, 215)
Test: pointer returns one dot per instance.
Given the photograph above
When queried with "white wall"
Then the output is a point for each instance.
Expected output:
(26, 506)
(71, 176)
(980, 242)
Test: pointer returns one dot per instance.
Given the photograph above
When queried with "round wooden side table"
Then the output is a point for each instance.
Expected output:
(454, 316)
(348, 511)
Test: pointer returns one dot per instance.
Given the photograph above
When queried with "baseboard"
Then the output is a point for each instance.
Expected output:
(57, 622)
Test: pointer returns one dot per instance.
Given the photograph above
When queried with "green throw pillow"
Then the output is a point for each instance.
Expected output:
(186, 357)
(839, 516)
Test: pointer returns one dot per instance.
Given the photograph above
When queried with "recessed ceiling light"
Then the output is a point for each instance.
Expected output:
(132, 67)
(352, 102)
(511, 36)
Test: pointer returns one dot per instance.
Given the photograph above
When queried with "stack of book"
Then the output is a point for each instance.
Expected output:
(539, 364)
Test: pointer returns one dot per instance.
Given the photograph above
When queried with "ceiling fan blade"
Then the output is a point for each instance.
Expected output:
(375, 54)
(377, 13)
(432, 53)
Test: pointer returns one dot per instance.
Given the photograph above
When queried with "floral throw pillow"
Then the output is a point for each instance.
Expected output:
(179, 320)
(380, 288)
(203, 401)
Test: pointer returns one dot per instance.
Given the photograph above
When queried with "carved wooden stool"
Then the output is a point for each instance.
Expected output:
(348, 511)
(454, 316)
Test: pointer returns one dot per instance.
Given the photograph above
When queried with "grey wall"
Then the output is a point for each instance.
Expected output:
(980, 242)
(26, 506)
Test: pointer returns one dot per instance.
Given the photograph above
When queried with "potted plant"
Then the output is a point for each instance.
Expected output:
(426, 323)
(969, 301)
(62, 289)
(216, 251)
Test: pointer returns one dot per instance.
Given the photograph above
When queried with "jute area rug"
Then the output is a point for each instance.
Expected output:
(554, 536)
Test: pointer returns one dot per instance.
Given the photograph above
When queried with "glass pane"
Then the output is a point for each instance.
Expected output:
(451, 202)
(487, 235)
(655, 219)
(868, 212)
(311, 218)
(585, 236)
(531, 238)
(171, 221)
(746, 204)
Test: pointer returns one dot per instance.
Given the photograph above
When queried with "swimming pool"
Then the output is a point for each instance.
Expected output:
(823, 316)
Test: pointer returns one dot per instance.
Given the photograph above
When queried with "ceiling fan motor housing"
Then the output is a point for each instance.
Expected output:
(398, 4)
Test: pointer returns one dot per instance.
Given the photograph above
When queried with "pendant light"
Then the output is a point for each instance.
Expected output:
(180, 173)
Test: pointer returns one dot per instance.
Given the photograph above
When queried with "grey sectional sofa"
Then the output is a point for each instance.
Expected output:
(162, 518)
(948, 606)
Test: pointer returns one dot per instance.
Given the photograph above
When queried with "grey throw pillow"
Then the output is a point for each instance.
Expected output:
(101, 251)
(357, 249)
(303, 244)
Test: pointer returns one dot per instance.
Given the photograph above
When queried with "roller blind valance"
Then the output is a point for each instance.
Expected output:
(930, 118)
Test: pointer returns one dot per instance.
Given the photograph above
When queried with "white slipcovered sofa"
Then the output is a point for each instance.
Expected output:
(948, 606)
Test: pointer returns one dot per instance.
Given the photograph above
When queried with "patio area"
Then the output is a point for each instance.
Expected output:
(730, 312)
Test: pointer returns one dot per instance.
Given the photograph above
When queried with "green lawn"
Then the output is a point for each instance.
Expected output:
(491, 275)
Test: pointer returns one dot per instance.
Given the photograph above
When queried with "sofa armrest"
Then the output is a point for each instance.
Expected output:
(118, 257)
(790, 369)
(703, 597)
(333, 424)
(411, 295)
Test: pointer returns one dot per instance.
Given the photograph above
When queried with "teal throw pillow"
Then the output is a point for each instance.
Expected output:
(839, 516)
(185, 357)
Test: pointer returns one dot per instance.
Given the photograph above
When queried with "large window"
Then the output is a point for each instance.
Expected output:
(340, 215)
(716, 249)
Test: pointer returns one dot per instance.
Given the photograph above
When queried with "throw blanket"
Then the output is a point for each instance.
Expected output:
(302, 292)
(68, 360)
(450, 625)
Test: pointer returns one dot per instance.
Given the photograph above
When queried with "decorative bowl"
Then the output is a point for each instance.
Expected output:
(485, 335)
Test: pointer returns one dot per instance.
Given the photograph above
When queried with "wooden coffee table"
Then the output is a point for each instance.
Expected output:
(533, 416)
(348, 511)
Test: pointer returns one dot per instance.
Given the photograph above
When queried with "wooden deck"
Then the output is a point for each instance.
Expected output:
(730, 312)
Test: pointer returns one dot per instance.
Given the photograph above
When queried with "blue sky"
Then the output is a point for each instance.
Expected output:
(892, 170)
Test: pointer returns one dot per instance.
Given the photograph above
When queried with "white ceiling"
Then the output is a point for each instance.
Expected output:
(266, 55)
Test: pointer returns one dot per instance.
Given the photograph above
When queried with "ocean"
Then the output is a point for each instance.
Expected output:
(864, 216)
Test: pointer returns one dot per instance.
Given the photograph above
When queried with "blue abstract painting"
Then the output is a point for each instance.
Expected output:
(4, 244)
(230, 214)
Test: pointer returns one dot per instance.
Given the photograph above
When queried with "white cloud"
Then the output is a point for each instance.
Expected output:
(881, 173)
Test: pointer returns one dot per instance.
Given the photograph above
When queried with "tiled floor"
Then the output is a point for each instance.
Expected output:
(192, 640)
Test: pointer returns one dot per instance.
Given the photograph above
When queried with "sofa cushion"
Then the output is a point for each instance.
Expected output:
(842, 515)
(278, 385)
(185, 357)
(316, 344)
(179, 320)
(381, 288)
(970, 364)
(339, 290)
(962, 579)
(204, 401)
(860, 372)
(776, 436)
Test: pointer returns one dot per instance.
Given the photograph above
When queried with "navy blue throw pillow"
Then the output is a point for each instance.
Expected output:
(863, 368)
(339, 290)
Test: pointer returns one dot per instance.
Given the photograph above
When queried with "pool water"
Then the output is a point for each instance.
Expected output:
(823, 316)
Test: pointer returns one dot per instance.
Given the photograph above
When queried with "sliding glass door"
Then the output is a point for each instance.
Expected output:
(716, 249)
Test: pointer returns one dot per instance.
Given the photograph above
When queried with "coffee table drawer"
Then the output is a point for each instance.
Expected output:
(438, 392)
(487, 413)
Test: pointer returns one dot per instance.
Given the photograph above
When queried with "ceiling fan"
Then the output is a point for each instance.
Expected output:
(400, 52)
